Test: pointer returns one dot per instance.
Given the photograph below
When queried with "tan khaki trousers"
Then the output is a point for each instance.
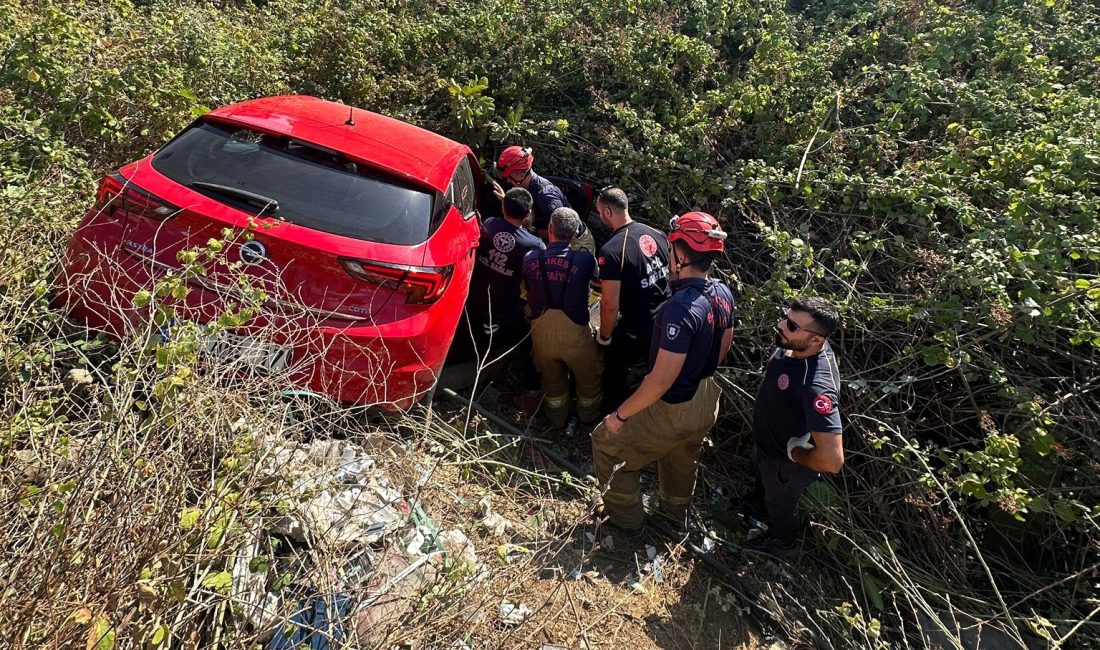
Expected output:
(558, 346)
(672, 435)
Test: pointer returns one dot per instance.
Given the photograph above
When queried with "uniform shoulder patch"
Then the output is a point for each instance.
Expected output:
(823, 405)
(673, 331)
(648, 245)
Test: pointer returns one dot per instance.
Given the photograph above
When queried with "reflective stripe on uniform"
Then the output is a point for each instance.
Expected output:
(621, 498)
(557, 401)
(589, 401)
(675, 500)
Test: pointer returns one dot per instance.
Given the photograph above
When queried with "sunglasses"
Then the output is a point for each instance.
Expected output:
(793, 327)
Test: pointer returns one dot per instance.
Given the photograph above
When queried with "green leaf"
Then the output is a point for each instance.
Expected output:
(1067, 510)
(219, 582)
(873, 590)
(102, 635)
(189, 517)
(160, 634)
(282, 582)
(258, 564)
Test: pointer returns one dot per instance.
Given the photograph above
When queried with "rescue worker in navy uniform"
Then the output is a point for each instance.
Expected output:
(516, 167)
(494, 307)
(633, 267)
(557, 282)
(796, 420)
(668, 416)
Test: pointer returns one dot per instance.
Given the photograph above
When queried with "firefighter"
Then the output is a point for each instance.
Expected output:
(633, 267)
(516, 167)
(668, 416)
(557, 282)
(796, 421)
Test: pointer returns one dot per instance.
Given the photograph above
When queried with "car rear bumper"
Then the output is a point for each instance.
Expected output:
(389, 364)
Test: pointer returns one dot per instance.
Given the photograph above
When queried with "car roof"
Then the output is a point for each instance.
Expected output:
(404, 150)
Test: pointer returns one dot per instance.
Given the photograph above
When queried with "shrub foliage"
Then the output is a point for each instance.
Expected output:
(931, 165)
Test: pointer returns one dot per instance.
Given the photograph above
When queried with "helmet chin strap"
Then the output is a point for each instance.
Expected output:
(680, 266)
(519, 183)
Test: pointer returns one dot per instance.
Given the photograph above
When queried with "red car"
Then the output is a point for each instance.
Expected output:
(360, 230)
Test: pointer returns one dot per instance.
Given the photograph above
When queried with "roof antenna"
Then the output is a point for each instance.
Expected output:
(351, 116)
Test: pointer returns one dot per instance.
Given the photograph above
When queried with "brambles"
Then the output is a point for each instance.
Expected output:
(931, 166)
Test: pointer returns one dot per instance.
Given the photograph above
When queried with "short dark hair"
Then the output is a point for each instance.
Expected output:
(822, 311)
(701, 261)
(517, 203)
(615, 198)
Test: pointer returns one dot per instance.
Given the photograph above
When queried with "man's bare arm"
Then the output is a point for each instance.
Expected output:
(827, 455)
(727, 343)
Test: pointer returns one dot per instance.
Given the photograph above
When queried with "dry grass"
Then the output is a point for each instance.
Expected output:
(133, 485)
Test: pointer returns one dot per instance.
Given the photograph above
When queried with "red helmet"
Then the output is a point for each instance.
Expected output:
(699, 231)
(515, 159)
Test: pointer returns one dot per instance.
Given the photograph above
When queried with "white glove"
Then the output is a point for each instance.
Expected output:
(801, 443)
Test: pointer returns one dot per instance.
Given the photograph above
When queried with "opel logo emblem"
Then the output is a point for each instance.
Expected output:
(253, 252)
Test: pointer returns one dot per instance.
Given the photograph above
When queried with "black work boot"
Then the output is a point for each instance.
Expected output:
(771, 545)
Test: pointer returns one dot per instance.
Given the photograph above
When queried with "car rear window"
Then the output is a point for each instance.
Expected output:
(311, 186)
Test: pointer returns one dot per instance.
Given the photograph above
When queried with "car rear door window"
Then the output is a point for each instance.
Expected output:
(461, 192)
(298, 182)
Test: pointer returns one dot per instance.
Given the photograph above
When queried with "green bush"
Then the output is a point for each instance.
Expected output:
(930, 165)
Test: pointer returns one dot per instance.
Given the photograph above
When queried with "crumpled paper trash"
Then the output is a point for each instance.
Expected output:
(492, 521)
(512, 614)
(338, 496)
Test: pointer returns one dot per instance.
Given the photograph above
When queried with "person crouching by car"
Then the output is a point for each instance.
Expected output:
(494, 308)
(557, 282)
(667, 418)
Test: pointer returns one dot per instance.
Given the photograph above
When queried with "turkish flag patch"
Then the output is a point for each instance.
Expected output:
(602, 260)
(823, 405)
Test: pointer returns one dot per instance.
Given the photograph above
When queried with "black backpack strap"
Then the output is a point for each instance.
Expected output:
(545, 280)
(565, 282)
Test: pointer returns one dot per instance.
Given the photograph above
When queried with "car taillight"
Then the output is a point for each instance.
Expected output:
(106, 197)
(423, 284)
(115, 194)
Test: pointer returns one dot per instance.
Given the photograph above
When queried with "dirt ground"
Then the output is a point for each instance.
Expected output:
(586, 585)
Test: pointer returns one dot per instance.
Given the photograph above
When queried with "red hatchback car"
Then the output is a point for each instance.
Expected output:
(359, 230)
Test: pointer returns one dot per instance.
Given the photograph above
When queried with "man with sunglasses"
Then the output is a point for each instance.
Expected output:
(633, 267)
(796, 421)
(667, 418)
(516, 168)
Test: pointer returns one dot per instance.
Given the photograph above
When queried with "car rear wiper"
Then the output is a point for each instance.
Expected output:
(261, 202)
